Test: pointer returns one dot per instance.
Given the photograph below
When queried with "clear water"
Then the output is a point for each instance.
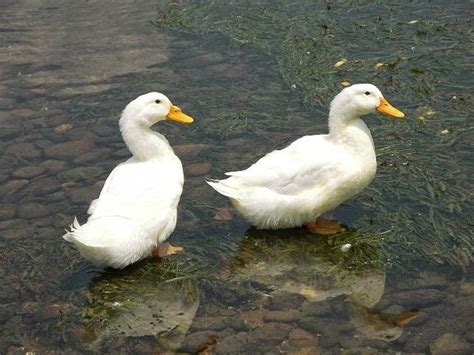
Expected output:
(255, 75)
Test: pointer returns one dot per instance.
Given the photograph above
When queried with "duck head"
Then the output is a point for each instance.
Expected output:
(361, 99)
(153, 107)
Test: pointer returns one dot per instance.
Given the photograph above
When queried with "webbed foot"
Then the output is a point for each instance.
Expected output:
(166, 249)
(324, 226)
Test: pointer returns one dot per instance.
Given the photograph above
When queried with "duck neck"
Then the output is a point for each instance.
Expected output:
(347, 127)
(143, 143)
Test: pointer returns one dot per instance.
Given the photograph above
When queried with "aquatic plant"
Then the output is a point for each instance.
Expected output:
(421, 193)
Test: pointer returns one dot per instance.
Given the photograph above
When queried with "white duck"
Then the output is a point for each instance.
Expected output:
(313, 175)
(137, 207)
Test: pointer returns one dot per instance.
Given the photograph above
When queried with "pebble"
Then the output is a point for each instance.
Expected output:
(346, 247)
(316, 308)
(23, 150)
(28, 172)
(8, 162)
(16, 233)
(361, 351)
(287, 300)
(198, 341)
(7, 212)
(450, 344)
(14, 185)
(197, 169)
(234, 344)
(6, 103)
(22, 112)
(301, 334)
(70, 149)
(288, 316)
(10, 132)
(188, 152)
(96, 155)
(31, 210)
(418, 298)
(3, 177)
(83, 195)
(43, 186)
(272, 333)
(53, 311)
(54, 166)
(81, 173)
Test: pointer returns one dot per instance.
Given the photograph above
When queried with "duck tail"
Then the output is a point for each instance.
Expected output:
(109, 241)
(223, 188)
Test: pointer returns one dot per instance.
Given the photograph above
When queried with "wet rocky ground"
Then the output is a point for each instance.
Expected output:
(67, 70)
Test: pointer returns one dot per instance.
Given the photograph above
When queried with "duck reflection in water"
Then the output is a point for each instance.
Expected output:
(352, 282)
(145, 299)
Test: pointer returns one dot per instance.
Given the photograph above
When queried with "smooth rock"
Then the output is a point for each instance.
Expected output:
(198, 341)
(269, 334)
(52, 311)
(10, 131)
(361, 351)
(16, 233)
(30, 210)
(301, 334)
(281, 316)
(7, 212)
(54, 166)
(234, 344)
(69, 150)
(450, 344)
(8, 162)
(316, 309)
(217, 323)
(12, 223)
(423, 280)
(104, 131)
(188, 152)
(418, 298)
(22, 112)
(96, 155)
(28, 172)
(14, 185)
(23, 150)
(44, 186)
(83, 195)
(81, 173)
(197, 169)
(7, 103)
(3, 177)
(286, 300)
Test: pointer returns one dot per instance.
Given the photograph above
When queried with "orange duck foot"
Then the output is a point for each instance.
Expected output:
(165, 249)
(324, 227)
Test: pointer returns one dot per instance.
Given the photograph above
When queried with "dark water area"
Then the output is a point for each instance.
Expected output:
(255, 75)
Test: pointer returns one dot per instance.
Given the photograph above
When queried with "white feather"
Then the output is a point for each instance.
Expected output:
(314, 174)
(137, 207)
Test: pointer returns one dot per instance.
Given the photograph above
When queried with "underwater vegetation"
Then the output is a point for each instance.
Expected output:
(420, 197)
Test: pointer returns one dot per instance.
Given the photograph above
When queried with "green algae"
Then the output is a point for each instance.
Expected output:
(422, 191)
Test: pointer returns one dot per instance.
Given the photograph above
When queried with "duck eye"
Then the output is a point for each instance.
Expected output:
(367, 93)
(157, 101)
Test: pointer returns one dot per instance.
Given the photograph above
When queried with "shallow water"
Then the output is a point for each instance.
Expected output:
(255, 75)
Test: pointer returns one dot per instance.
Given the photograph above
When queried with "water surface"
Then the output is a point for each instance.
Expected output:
(255, 75)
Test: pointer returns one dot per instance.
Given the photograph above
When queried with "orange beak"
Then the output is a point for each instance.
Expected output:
(387, 109)
(177, 115)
